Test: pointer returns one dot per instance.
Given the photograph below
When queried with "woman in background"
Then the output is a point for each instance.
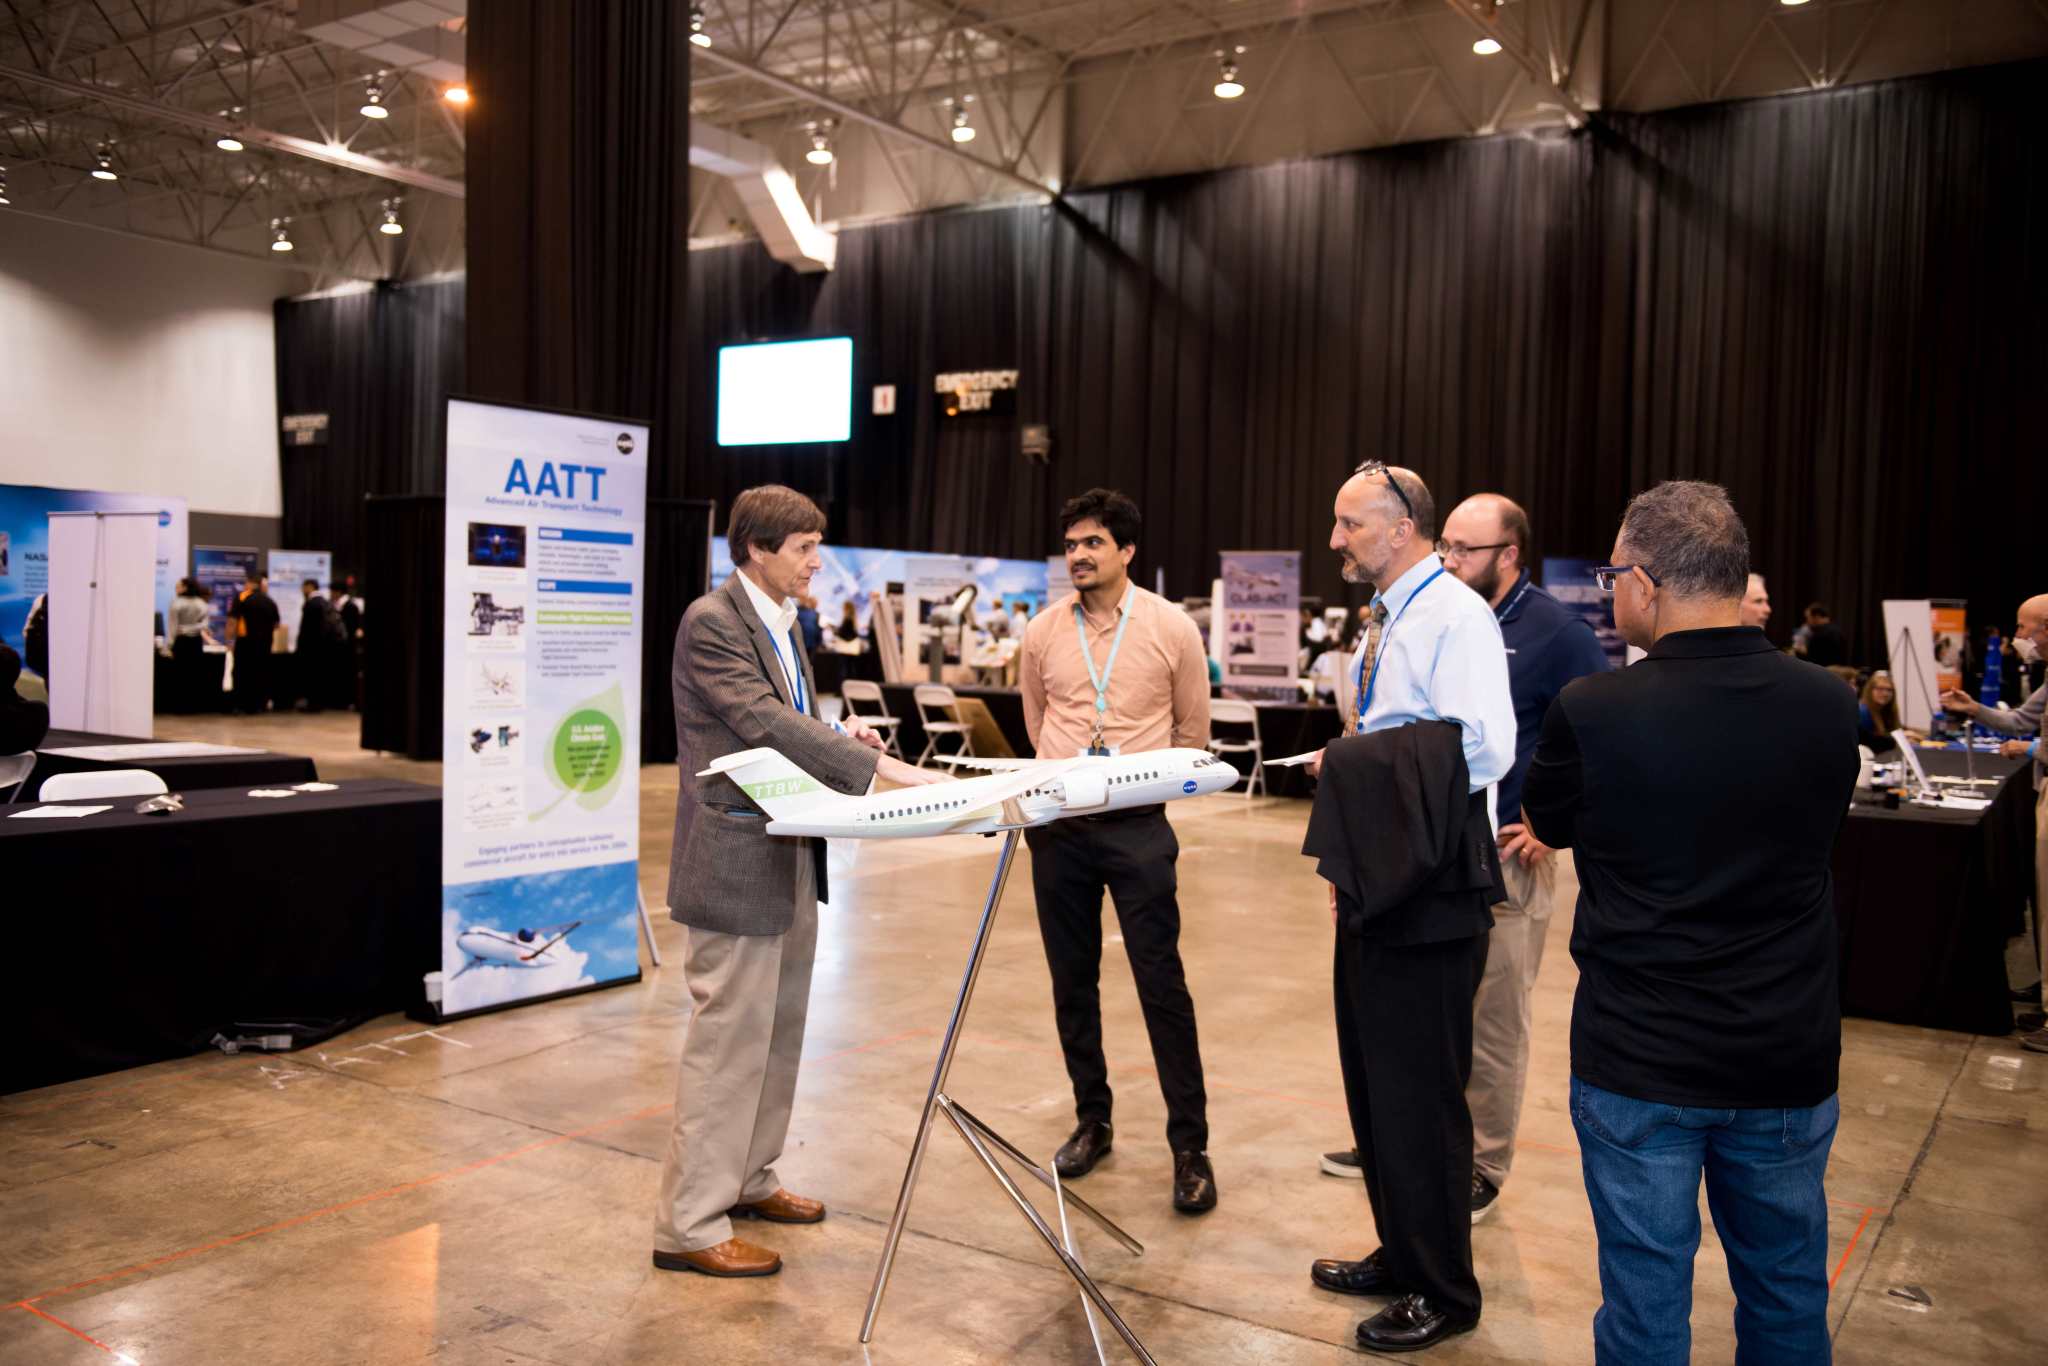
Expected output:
(189, 638)
(1878, 716)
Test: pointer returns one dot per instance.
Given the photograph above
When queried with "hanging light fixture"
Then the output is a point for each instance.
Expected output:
(821, 142)
(391, 227)
(963, 128)
(1228, 86)
(1486, 47)
(103, 163)
(456, 94)
(373, 102)
(280, 234)
(697, 33)
(228, 142)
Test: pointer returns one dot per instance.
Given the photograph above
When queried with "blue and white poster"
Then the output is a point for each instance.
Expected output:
(1571, 582)
(540, 806)
(289, 570)
(853, 573)
(1260, 617)
(25, 546)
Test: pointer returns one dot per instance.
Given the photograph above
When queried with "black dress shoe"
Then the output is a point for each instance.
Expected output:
(1369, 1277)
(1410, 1324)
(1086, 1146)
(2027, 996)
(1194, 1183)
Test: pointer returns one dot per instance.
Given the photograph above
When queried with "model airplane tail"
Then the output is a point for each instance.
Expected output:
(773, 783)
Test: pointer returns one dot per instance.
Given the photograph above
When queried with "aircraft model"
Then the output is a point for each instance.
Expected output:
(1018, 793)
(525, 949)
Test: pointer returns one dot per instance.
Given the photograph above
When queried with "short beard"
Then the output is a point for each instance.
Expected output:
(1354, 572)
(1487, 584)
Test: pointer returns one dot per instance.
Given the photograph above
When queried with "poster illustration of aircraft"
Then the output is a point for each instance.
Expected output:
(523, 948)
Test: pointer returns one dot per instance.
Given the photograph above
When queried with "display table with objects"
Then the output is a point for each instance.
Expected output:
(156, 932)
(1926, 898)
(182, 765)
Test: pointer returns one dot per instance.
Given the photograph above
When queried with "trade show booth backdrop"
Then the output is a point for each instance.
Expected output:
(1832, 303)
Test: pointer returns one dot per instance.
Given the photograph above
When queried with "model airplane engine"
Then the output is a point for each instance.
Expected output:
(1082, 791)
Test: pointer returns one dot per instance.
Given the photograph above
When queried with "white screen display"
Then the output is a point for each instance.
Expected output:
(779, 392)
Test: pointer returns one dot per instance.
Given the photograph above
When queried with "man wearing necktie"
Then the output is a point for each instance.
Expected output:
(1404, 986)
(742, 680)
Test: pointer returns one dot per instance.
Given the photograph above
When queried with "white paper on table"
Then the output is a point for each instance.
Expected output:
(150, 749)
(315, 787)
(58, 813)
(272, 792)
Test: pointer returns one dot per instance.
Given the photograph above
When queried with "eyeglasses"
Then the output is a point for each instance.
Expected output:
(1379, 467)
(1451, 550)
(1607, 575)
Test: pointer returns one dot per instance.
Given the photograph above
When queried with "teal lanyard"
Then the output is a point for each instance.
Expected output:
(795, 676)
(1366, 685)
(1101, 680)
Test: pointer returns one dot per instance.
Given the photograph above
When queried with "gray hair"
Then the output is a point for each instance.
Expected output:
(1691, 539)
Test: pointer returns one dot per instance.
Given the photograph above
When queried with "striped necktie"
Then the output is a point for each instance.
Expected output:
(1374, 627)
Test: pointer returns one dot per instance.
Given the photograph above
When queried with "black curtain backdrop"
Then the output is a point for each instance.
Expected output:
(1831, 303)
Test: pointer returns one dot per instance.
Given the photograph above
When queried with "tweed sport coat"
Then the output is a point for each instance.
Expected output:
(726, 873)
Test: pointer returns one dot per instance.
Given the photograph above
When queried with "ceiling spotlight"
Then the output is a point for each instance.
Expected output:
(228, 142)
(1228, 86)
(103, 167)
(697, 33)
(1791, 2)
(373, 103)
(821, 143)
(280, 234)
(1486, 47)
(456, 94)
(963, 130)
(391, 227)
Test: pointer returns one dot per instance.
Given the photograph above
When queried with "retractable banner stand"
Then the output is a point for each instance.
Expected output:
(540, 815)
(288, 570)
(103, 570)
(1260, 617)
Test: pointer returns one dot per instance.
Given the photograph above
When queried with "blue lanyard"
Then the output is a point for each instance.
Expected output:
(795, 676)
(1101, 680)
(1366, 685)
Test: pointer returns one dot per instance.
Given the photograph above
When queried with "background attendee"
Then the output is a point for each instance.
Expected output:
(1877, 713)
(23, 723)
(35, 638)
(2029, 720)
(807, 622)
(1112, 668)
(1756, 603)
(255, 619)
(189, 639)
(1701, 790)
(848, 628)
(750, 901)
(1405, 980)
(1825, 643)
(321, 643)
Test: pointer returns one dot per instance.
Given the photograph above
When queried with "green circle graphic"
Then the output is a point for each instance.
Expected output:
(587, 751)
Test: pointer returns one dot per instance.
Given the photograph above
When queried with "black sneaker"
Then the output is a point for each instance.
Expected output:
(1484, 1193)
(1343, 1164)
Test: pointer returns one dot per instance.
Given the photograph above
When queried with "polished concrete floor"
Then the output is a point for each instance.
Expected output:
(482, 1193)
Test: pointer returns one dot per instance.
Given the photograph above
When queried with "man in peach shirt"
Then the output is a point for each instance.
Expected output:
(1113, 669)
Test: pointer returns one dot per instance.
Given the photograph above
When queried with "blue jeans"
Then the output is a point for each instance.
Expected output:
(1763, 1169)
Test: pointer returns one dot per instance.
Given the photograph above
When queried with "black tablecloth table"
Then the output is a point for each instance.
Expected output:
(1006, 705)
(1285, 729)
(830, 669)
(258, 769)
(150, 933)
(1925, 900)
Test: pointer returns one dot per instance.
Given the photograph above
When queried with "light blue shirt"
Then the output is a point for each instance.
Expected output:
(1441, 659)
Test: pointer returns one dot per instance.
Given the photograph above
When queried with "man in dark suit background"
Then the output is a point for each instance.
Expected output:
(1701, 790)
(23, 723)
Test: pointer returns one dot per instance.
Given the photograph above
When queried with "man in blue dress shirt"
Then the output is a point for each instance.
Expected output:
(1431, 652)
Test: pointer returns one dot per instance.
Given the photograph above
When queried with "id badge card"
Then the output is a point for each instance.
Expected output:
(1098, 752)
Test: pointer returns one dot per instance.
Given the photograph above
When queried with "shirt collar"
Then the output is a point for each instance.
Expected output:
(1712, 641)
(777, 618)
(1511, 605)
(1123, 606)
(1410, 583)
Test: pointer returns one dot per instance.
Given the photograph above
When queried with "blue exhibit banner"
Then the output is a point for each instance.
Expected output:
(221, 570)
(1571, 582)
(25, 546)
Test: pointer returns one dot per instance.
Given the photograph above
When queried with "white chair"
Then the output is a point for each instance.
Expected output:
(938, 711)
(14, 771)
(854, 690)
(1224, 711)
(104, 782)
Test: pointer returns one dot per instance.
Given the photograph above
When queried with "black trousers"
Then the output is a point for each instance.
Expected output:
(1133, 856)
(1404, 1037)
(252, 674)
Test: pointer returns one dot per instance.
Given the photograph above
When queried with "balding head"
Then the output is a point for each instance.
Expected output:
(1486, 543)
(1382, 527)
(2032, 628)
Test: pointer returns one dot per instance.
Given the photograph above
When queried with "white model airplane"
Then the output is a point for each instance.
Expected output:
(1019, 793)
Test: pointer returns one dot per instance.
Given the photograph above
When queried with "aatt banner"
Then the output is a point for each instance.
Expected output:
(540, 807)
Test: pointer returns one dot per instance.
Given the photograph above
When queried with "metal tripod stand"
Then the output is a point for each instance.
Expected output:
(986, 1143)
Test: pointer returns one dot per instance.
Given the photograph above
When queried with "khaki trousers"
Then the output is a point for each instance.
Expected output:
(1500, 1012)
(2041, 879)
(749, 996)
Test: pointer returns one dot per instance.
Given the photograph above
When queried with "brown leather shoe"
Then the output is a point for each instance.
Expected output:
(781, 1208)
(730, 1258)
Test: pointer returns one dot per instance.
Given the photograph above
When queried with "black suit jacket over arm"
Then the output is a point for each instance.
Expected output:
(1405, 841)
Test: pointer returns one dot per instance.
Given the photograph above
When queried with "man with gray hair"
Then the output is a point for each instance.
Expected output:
(1700, 791)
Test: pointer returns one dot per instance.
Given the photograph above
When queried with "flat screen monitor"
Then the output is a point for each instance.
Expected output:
(778, 393)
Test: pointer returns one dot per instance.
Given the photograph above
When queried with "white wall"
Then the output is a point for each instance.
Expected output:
(138, 366)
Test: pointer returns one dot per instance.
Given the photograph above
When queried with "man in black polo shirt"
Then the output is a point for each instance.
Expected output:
(1700, 791)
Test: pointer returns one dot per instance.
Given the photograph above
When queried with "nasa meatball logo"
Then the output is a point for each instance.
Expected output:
(624, 443)
(1188, 787)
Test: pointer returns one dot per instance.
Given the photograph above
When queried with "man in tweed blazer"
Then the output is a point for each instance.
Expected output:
(742, 681)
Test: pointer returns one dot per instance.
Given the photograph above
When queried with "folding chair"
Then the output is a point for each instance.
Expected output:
(1225, 711)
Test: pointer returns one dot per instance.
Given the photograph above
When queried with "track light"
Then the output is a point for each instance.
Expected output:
(456, 94)
(373, 103)
(103, 163)
(391, 227)
(821, 143)
(963, 128)
(1486, 47)
(280, 234)
(697, 33)
(1228, 86)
